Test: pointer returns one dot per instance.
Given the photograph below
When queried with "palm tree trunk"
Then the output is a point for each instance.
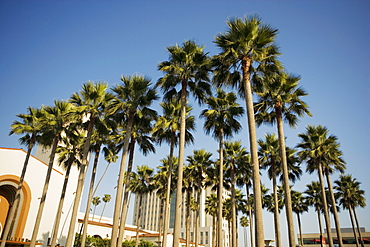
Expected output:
(105, 204)
(89, 198)
(325, 205)
(14, 208)
(126, 200)
(161, 222)
(168, 192)
(177, 223)
(353, 224)
(300, 230)
(288, 198)
(250, 218)
(187, 222)
(214, 230)
(260, 238)
(119, 193)
(276, 212)
(101, 178)
(233, 207)
(44, 192)
(335, 211)
(80, 184)
(320, 225)
(138, 222)
(60, 207)
(358, 228)
(220, 192)
(197, 214)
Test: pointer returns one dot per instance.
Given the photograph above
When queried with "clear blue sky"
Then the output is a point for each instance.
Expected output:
(48, 48)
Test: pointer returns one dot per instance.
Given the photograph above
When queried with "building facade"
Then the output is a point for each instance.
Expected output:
(11, 164)
(348, 239)
(152, 213)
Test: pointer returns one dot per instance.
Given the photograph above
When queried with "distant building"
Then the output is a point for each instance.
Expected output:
(152, 211)
(314, 239)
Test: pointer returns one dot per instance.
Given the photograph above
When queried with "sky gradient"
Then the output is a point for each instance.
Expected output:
(49, 48)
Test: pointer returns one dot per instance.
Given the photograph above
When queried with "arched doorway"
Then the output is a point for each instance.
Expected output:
(8, 188)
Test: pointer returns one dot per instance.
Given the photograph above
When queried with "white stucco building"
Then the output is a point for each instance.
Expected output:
(11, 164)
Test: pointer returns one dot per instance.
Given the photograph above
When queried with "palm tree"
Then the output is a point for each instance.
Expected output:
(314, 198)
(105, 199)
(211, 209)
(221, 118)
(299, 206)
(141, 184)
(318, 150)
(54, 123)
(164, 191)
(244, 222)
(350, 196)
(188, 67)
(279, 100)
(244, 178)
(198, 163)
(95, 201)
(90, 101)
(167, 129)
(133, 94)
(30, 126)
(247, 42)
(142, 126)
(337, 164)
(269, 157)
(100, 136)
(235, 157)
(69, 154)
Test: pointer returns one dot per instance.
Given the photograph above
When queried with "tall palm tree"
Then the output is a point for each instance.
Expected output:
(211, 209)
(105, 199)
(314, 198)
(299, 206)
(244, 222)
(90, 101)
(54, 124)
(317, 150)
(350, 196)
(133, 94)
(69, 154)
(198, 163)
(279, 100)
(95, 201)
(29, 126)
(244, 178)
(142, 126)
(167, 129)
(269, 159)
(141, 184)
(336, 164)
(221, 117)
(166, 170)
(102, 129)
(235, 157)
(245, 43)
(188, 68)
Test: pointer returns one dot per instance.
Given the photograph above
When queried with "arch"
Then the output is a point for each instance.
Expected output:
(8, 187)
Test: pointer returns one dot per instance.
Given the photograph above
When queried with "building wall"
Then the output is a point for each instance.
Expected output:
(310, 239)
(151, 210)
(11, 164)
